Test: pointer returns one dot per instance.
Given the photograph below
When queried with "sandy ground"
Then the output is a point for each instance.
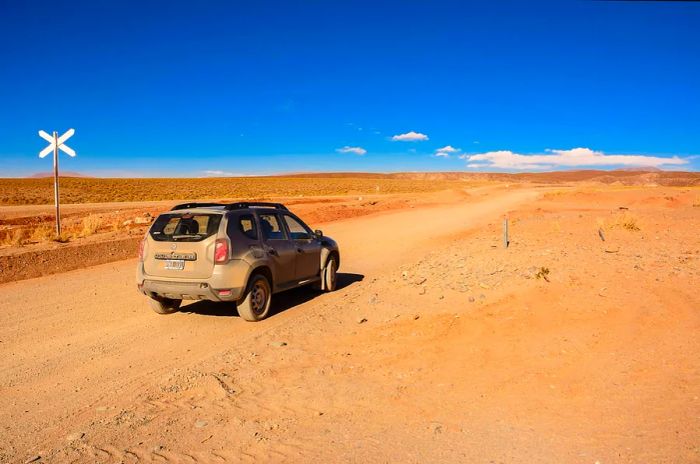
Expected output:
(439, 346)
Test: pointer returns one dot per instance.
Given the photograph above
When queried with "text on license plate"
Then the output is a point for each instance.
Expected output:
(175, 264)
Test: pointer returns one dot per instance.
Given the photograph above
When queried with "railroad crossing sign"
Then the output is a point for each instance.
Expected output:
(56, 143)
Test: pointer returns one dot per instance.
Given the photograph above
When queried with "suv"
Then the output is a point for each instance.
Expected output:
(240, 252)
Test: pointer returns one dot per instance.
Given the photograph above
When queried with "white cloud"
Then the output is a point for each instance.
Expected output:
(219, 173)
(576, 157)
(445, 151)
(409, 137)
(356, 150)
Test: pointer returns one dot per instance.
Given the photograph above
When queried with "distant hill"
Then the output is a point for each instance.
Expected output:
(641, 169)
(41, 175)
(639, 176)
(625, 176)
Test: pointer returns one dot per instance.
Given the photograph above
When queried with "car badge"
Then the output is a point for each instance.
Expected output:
(173, 246)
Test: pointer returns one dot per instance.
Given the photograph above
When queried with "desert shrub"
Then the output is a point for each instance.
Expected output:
(64, 237)
(91, 224)
(629, 222)
(543, 273)
(43, 233)
(13, 238)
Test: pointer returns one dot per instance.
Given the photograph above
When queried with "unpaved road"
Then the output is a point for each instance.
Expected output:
(79, 339)
(89, 374)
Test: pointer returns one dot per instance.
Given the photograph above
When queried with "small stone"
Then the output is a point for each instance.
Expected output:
(75, 436)
(482, 296)
(404, 275)
(472, 299)
(422, 291)
(416, 317)
(278, 344)
(362, 320)
(101, 408)
(34, 458)
(201, 424)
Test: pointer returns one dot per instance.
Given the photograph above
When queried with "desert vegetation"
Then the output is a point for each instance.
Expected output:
(38, 191)
(94, 190)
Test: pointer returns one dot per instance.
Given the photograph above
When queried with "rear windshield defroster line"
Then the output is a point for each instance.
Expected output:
(184, 227)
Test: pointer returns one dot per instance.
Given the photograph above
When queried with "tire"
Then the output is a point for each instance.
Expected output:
(330, 274)
(256, 304)
(164, 305)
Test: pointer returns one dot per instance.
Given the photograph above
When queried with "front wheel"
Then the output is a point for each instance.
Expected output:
(164, 305)
(330, 274)
(256, 304)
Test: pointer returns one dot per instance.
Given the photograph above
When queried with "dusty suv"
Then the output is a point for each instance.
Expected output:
(240, 252)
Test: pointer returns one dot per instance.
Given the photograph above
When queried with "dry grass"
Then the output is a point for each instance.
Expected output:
(629, 222)
(73, 228)
(43, 233)
(543, 273)
(12, 238)
(93, 190)
(91, 224)
(554, 194)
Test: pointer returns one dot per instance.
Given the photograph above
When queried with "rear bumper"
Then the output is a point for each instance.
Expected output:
(227, 283)
(188, 291)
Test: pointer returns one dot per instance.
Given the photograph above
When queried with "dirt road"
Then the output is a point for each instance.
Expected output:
(89, 374)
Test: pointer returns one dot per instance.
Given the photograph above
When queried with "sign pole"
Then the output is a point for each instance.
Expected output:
(56, 143)
(55, 183)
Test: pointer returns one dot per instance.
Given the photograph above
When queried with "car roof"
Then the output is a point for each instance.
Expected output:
(223, 207)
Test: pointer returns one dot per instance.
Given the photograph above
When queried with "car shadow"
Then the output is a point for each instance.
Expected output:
(280, 301)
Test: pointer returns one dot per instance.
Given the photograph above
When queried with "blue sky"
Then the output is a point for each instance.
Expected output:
(198, 88)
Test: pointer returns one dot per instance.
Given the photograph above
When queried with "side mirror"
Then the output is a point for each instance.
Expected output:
(318, 233)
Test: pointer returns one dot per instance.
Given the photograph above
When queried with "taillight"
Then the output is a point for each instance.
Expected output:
(141, 246)
(221, 251)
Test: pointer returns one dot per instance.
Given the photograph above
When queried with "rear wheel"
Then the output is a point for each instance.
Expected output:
(164, 305)
(330, 273)
(256, 304)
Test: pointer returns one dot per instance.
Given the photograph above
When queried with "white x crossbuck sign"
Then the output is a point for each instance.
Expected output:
(57, 142)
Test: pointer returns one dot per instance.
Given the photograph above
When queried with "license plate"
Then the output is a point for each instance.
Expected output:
(175, 264)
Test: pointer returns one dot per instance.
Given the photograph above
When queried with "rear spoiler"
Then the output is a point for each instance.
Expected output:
(231, 206)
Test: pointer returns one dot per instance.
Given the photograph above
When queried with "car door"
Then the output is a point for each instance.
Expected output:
(281, 251)
(308, 247)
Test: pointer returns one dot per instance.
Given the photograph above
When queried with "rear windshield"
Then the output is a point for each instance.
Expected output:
(185, 227)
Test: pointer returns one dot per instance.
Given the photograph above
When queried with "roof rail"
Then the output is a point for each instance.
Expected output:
(255, 204)
(195, 205)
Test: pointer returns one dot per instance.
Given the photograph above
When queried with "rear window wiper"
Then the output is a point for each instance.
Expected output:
(176, 237)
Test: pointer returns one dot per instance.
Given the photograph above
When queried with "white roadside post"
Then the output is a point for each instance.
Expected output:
(56, 143)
